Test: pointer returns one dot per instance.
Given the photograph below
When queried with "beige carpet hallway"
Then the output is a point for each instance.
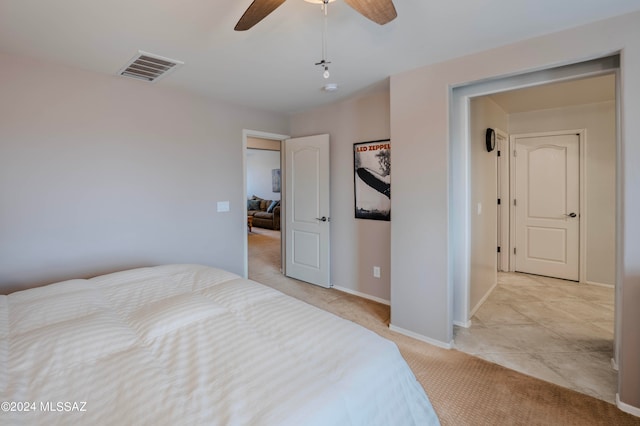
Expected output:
(463, 389)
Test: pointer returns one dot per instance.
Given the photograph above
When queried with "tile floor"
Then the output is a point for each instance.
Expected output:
(552, 329)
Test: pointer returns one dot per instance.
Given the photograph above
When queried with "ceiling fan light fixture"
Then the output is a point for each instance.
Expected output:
(379, 11)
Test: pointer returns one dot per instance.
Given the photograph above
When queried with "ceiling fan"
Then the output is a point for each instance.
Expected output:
(379, 11)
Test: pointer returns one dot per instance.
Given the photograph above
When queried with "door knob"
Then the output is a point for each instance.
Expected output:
(571, 214)
(322, 219)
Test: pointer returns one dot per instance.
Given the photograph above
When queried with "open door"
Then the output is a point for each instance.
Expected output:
(307, 210)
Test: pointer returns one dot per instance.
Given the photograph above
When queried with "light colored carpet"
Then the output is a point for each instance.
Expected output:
(464, 390)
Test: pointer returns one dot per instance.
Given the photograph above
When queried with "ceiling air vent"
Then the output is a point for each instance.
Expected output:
(149, 67)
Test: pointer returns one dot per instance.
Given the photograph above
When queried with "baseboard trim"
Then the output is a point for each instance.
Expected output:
(363, 295)
(600, 284)
(484, 299)
(420, 337)
(462, 324)
(634, 411)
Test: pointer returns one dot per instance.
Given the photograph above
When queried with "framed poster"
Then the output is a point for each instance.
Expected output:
(372, 179)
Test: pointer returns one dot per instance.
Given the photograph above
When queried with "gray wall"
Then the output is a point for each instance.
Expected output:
(99, 173)
(421, 266)
(357, 245)
(484, 182)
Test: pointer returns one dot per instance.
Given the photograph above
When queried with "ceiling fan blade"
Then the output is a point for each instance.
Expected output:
(256, 12)
(379, 11)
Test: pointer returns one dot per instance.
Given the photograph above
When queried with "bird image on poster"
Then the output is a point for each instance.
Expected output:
(372, 178)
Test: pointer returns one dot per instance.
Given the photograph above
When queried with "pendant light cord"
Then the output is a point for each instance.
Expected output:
(325, 8)
(324, 63)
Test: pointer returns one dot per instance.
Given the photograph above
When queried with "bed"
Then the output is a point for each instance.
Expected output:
(189, 344)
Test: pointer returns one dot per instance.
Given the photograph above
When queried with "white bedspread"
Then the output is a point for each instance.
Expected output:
(185, 344)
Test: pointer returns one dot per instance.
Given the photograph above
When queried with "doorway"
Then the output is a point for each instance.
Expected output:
(460, 200)
(267, 148)
(297, 210)
(518, 304)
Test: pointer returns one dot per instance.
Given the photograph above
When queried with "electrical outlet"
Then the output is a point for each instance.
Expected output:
(376, 272)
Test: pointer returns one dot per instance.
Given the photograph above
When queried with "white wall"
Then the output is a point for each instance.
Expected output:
(485, 113)
(600, 121)
(100, 173)
(421, 266)
(356, 244)
(260, 163)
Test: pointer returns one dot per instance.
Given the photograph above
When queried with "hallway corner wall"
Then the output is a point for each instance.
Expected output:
(485, 113)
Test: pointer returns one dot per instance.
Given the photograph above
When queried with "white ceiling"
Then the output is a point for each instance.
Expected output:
(272, 66)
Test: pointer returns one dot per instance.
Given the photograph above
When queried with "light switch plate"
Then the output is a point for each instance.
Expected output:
(223, 206)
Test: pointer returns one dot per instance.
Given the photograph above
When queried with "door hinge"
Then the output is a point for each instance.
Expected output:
(514, 153)
(498, 249)
(498, 153)
(514, 250)
(514, 202)
(499, 201)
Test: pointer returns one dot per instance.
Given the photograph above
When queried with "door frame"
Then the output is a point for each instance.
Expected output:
(246, 133)
(582, 234)
(504, 210)
(459, 231)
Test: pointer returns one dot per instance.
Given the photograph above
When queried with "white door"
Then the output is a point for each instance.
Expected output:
(546, 205)
(307, 209)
